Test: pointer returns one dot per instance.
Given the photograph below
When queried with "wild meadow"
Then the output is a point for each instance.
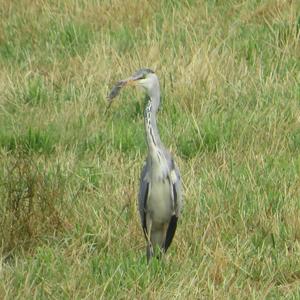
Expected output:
(69, 167)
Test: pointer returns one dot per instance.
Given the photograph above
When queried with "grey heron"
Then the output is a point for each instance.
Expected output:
(160, 197)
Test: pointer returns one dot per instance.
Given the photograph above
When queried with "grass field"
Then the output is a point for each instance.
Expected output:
(69, 169)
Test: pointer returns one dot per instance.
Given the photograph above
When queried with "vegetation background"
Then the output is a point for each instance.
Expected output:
(69, 175)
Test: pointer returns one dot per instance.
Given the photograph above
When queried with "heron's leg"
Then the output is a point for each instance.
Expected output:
(149, 244)
(162, 239)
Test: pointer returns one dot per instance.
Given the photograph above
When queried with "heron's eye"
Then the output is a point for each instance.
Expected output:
(143, 76)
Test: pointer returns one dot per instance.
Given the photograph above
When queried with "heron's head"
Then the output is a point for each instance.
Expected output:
(145, 78)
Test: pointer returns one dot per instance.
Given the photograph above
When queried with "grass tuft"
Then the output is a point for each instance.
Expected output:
(31, 201)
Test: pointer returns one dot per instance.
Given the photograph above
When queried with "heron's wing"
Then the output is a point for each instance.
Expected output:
(143, 196)
(170, 232)
(175, 180)
(177, 192)
(177, 200)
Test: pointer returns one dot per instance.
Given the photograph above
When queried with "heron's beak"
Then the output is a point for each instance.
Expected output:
(131, 82)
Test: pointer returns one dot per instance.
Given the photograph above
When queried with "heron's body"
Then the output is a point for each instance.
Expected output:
(159, 205)
(160, 198)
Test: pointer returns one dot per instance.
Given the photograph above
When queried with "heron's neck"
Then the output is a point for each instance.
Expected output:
(159, 162)
(153, 138)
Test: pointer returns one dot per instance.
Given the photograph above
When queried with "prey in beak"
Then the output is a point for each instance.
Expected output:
(119, 85)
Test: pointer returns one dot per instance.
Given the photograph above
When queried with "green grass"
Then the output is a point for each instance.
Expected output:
(69, 175)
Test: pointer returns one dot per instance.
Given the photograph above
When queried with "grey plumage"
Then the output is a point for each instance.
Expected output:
(167, 227)
(160, 198)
